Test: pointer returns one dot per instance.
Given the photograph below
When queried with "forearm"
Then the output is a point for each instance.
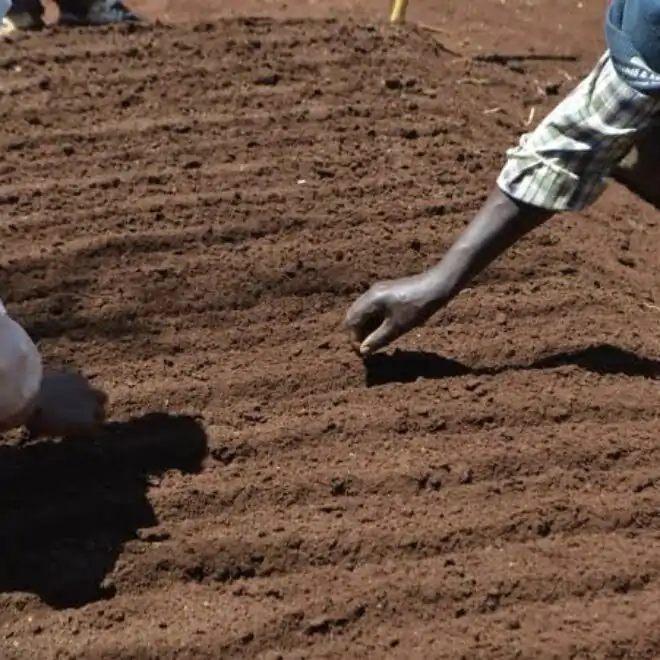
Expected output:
(501, 222)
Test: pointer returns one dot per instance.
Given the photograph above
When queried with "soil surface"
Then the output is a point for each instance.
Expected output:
(188, 211)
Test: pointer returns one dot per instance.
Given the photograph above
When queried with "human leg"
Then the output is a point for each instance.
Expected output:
(95, 12)
(22, 15)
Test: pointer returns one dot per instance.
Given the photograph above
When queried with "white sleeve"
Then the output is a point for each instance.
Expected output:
(21, 369)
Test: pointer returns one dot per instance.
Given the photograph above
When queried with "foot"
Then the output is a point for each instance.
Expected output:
(101, 12)
(13, 24)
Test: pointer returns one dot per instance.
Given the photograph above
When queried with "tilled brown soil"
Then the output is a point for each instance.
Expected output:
(187, 213)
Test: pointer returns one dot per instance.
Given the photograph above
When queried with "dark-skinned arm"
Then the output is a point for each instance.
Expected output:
(392, 308)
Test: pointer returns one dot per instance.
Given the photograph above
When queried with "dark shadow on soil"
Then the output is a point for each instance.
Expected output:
(67, 508)
(408, 366)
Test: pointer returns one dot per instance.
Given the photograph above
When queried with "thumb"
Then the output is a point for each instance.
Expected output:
(385, 333)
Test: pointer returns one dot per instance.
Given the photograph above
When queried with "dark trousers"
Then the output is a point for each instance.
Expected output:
(36, 7)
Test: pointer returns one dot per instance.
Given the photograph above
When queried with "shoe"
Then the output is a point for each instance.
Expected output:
(101, 12)
(14, 24)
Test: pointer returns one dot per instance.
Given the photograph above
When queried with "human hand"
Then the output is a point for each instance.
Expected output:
(388, 310)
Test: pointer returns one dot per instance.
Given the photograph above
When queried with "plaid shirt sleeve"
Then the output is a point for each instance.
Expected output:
(564, 163)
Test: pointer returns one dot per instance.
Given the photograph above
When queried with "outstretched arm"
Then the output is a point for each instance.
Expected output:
(562, 165)
(389, 309)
